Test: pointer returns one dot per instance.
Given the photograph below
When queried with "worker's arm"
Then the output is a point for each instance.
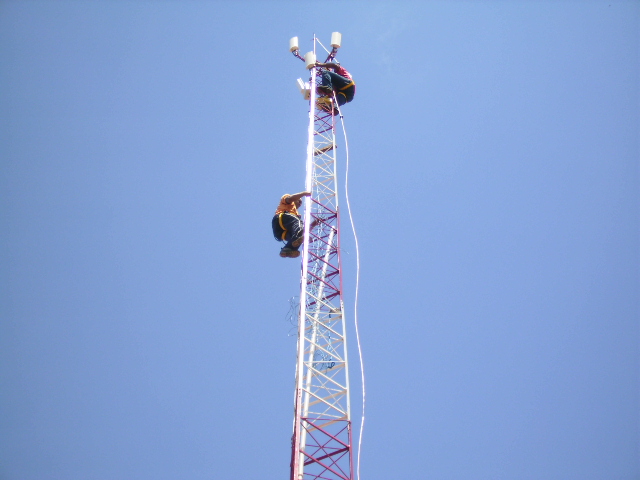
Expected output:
(296, 196)
(332, 66)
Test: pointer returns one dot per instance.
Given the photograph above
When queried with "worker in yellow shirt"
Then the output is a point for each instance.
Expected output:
(287, 224)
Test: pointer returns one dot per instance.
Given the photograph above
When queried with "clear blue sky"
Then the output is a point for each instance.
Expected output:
(495, 187)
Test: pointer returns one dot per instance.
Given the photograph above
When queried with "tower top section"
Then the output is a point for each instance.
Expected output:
(336, 43)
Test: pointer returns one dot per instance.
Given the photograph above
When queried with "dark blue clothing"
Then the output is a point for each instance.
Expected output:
(293, 229)
(344, 87)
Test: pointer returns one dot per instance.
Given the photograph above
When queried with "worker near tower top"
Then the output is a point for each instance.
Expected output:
(339, 82)
(287, 224)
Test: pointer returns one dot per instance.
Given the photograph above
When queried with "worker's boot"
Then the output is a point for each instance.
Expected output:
(324, 90)
(286, 252)
(324, 103)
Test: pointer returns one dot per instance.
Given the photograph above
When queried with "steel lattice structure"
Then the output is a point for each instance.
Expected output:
(321, 442)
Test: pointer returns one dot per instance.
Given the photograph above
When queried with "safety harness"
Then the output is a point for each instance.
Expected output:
(284, 230)
(348, 85)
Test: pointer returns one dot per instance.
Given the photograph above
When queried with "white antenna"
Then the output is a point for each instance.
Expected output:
(336, 38)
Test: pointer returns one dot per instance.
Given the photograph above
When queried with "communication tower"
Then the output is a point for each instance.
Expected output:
(322, 430)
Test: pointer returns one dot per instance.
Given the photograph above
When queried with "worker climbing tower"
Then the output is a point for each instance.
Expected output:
(322, 433)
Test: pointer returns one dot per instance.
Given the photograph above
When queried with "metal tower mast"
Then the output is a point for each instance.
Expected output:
(321, 442)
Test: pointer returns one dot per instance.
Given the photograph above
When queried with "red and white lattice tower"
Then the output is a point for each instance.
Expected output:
(322, 434)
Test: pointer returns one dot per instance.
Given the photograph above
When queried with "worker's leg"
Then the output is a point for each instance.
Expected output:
(333, 80)
(277, 229)
(295, 230)
(293, 236)
(326, 80)
(345, 96)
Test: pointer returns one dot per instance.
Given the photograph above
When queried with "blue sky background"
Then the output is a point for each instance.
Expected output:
(495, 187)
